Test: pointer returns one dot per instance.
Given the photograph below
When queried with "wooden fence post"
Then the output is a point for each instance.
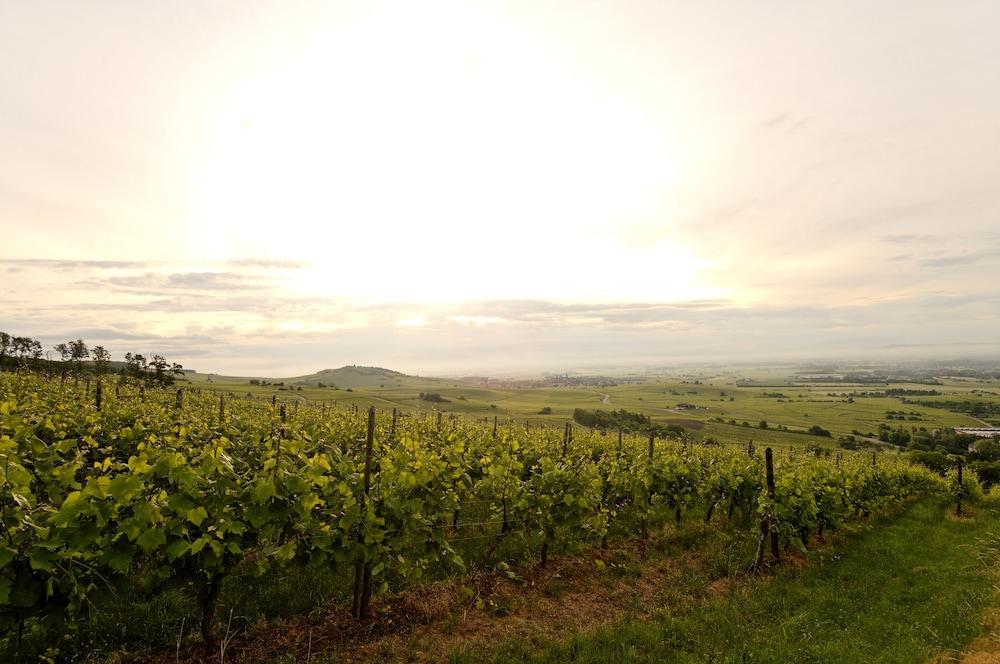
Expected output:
(98, 393)
(769, 461)
(362, 568)
(222, 409)
(765, 521)
(961, 490)
(649, 493)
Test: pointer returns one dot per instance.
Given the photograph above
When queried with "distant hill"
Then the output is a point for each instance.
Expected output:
(354, 376)
(351, 376)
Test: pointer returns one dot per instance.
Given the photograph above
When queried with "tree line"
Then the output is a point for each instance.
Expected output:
(76, 358)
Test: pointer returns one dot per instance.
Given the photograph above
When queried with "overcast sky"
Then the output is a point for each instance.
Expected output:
(273, 188)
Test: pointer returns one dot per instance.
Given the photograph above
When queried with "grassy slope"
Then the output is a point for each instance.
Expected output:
(911, 589)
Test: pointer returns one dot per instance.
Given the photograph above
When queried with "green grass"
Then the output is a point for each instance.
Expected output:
(910, 588)
(798, 408)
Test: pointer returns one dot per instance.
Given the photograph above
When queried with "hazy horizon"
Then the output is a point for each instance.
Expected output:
(444, 188)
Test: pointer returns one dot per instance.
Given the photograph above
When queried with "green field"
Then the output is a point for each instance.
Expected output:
(711, 403)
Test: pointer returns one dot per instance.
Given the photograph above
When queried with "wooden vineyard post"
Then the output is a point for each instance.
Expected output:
(363, 569)
(98, 393)
(769, 461)
(142, 394)
(439, 420)
(619, 440)
(649, 493)
(282, 431)
(961, 490)
(765, 522)
(494, 427)
(873, 458)
(392, 431)
(222, 409)
(180, 398)
(567, 433)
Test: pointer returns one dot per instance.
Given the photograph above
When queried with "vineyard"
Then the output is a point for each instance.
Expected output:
(106, 484)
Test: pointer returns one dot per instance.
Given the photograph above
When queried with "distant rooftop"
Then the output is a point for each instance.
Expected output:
(982, 432)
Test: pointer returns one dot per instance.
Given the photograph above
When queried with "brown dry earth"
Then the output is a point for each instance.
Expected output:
(424, 625)
(575, 593)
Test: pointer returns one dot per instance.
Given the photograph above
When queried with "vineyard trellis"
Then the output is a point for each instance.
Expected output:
(190, 487)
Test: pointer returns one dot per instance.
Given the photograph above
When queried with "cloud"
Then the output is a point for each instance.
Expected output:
(960, 259)
(773, 121)
(64, 264)
(906, 238)
(267, 264)
(196, 281)
(58, 264)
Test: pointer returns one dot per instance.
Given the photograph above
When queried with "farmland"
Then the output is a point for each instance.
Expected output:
(715, 404)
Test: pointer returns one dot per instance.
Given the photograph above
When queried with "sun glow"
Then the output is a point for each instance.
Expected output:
(418, 164)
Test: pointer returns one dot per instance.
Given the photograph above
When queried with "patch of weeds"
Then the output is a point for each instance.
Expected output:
(554, 588)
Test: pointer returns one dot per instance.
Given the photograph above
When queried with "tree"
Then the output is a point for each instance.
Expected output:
(164, 372)
(63, 351)
(24, 348)
(135, 366)
(78, 352)
(5, 341)
(102, 360)
(64, 355)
